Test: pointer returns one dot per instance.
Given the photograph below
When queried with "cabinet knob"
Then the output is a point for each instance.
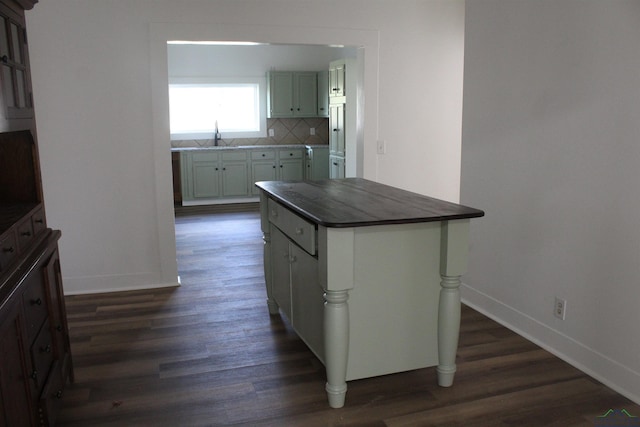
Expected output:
(8, 250)
(274, 212)
(299, 231)
(4, 59)
(292, 259)
(46, 349)
(59, 328)
(34, 375)
(335, 130)
(58, 394)
(36, 301)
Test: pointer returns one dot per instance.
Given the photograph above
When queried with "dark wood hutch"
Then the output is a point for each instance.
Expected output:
(35, 355)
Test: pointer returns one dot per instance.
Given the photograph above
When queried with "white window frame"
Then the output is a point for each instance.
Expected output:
(262, 102)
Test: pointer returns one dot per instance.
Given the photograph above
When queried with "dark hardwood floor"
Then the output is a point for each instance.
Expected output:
(208, 353)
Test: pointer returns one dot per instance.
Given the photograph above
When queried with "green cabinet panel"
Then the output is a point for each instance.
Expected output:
(337, 130)
(305, 94)
(323, 94)
(205, 179)
(336, 167)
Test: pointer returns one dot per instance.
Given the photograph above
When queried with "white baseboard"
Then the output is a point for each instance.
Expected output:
(597, 365)
(113, 283)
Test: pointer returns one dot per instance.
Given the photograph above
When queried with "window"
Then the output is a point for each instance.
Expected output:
(238, 108)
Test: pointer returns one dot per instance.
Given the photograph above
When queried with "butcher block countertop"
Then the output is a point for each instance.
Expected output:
(357, 202)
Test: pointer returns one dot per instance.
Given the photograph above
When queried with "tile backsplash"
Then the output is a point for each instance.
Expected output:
(285, 132)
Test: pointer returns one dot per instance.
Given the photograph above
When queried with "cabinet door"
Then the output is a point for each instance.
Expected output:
(336, 80)
(336, 127)
(14, 385)
(305, 92)
(323, 94)
(205, 178)
(280, 272)
(262, 171)
(58, 315)
(16, 85)
(291, 170)
(234, 179)
(336, 167)
(307, 300)
(280, 94)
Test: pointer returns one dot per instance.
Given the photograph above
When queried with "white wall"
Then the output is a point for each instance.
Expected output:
(198, 60)
(100, 86)
(551, 152)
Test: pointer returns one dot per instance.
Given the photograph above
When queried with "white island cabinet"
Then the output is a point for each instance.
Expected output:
(366, 274)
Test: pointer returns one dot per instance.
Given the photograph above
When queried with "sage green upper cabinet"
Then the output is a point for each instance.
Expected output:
(292, 94)
(337, 80)
(323, 94)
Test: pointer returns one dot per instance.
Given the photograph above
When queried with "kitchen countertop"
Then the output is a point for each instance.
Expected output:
(357, 202)
(245, 147)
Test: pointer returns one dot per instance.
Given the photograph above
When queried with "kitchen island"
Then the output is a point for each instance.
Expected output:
(368, 275)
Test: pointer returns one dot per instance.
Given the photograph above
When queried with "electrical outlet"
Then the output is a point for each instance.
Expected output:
(560, 308)
(312, 131)
(272, 132)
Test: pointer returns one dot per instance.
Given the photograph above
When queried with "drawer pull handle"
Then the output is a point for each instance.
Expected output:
(299, 231)
(36, 301)
(39, 221)
(34, 375)
(46, 349)
(58, 394)
(8, 250)
(26, 233)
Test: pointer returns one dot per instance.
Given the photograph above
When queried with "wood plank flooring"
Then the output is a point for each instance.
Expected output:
(208, 354)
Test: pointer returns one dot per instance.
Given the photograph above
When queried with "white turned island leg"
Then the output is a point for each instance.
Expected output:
(454, 247)
(336, 344)
(448, 329)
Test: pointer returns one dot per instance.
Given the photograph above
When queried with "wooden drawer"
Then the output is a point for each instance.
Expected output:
(290, 154)
(34, 302)
(25, 234)
(8, 248)
(263, 155)
(38, 222)
(295, 227)
(51, 396)
(42, 355)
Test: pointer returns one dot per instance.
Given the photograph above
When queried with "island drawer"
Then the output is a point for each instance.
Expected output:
(295, 227)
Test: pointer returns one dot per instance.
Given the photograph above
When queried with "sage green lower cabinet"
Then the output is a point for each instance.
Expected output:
(204, 177)
(290, 164)
(235, 176)
(297, 291)
(336, 167)
(210, 176)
